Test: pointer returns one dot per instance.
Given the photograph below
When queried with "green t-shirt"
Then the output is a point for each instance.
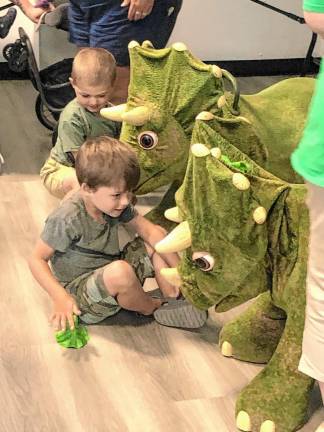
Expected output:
(313, 5)
(308, 158)
(81, 243)
(76, 124)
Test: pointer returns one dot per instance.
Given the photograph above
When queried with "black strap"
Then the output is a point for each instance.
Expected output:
(287, 14)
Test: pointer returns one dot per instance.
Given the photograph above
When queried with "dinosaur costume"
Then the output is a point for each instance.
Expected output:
(254, 242)
(245, 226)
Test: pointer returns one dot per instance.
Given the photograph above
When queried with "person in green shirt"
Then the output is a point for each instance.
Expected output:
(93, 76)
(308, 161)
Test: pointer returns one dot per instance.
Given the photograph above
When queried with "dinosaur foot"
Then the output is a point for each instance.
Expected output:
(255, 334)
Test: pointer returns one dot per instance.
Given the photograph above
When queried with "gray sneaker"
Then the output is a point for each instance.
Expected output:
(180, 313)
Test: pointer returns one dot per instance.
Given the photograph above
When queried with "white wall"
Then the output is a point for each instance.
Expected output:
(212, 29)
(20, 21)
(241, 30)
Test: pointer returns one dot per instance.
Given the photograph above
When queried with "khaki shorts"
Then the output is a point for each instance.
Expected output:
(91, 294)
(53, 174)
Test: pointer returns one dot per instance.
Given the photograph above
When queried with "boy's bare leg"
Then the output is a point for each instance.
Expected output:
(121, 282)
(159, 263)
(120, 91)
(167, 289)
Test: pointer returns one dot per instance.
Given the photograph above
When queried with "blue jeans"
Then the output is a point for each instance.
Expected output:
(107, 26)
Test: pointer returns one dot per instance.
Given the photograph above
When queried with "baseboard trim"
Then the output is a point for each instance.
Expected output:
(239, 68)
(245, 68)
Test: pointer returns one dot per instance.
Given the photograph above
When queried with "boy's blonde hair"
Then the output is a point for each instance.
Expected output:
(105, 161)
(94, 66)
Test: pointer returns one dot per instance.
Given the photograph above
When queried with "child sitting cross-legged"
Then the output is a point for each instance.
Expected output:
(89, 275)
(93, 77)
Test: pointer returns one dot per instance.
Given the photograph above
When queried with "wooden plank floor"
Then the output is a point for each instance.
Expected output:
(133, 375)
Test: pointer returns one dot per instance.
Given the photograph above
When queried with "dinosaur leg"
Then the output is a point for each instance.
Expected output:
(277, 398)
(255, 334)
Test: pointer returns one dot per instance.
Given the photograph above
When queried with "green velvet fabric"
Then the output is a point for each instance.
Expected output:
(176, 87)
(266, 260)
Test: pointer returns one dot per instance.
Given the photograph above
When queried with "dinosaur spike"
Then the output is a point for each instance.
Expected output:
(200, 150)
(114, 113)
(179, 46)
(172, 214)
(133, 44)
(221, 101)
(216, 152)
(177, 240)
(205, 115)
(137, 116)
(217, 71)
(240, 181)
(260, 215)
(147, 44)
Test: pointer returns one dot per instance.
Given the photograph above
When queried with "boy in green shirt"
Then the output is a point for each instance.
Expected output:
(308, 161)
(93, 77)
(89, 275)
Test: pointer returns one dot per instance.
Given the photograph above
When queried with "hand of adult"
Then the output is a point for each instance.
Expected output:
(138, 9)
(33, 13)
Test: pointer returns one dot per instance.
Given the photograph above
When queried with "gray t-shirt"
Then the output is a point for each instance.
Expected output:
(81, 243)
(76, 124)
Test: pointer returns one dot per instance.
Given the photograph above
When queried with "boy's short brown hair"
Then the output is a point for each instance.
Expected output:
(105, 161)
(94, 66)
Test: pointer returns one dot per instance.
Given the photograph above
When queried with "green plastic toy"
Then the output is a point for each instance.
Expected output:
(76, 338)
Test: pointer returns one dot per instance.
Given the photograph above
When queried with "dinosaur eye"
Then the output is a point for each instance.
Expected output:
(147, 140)
(203, 260)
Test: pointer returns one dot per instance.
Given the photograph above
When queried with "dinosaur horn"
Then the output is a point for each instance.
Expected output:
(176, 241)
(114, 113)
(137, 116)
(172, 276)
(172, 214)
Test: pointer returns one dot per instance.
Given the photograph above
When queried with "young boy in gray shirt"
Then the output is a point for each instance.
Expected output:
(88, 274)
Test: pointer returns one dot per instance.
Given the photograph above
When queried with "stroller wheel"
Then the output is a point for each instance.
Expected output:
(7, 51)
(44, 115)
(18, 58)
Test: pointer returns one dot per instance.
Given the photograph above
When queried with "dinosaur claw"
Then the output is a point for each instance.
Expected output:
(227, 350)
(243, 421)
(268, 426)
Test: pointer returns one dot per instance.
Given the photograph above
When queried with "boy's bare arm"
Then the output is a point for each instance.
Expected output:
(152, 234)
(64, 304)
(315, 21)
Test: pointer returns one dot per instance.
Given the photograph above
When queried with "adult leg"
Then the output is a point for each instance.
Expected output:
(111, 29)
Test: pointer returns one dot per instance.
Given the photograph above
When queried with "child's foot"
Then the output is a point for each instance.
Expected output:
(6, 22)
(180, 313)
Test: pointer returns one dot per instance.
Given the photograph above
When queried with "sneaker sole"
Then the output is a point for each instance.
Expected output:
(178, 315)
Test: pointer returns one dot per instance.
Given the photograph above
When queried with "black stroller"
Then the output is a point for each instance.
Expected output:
(52, 83)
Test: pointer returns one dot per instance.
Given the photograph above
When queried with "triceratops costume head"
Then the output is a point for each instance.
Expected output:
(168, 88)
(243, 232)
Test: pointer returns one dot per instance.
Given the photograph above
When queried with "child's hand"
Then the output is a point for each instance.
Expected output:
(64, 308)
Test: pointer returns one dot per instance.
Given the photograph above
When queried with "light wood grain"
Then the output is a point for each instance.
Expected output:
(134, 375)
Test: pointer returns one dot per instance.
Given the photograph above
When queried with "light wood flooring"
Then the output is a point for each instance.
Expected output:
(133, 375)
